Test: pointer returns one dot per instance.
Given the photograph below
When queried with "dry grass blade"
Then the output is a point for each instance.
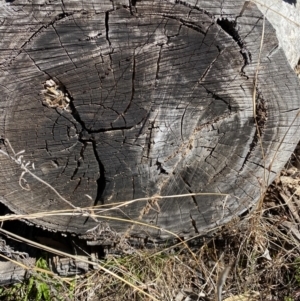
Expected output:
(18, 159)
(257, 71)
(276, 12)
(221, 281)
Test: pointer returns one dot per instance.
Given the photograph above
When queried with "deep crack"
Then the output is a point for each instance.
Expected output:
(260, 121)
(107, 27)
(231, 28)
(101, 182)
(81, 157)
(216, 97)
(194, 224)
(86, 135)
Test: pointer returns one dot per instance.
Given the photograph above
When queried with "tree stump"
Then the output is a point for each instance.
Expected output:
(112, 101)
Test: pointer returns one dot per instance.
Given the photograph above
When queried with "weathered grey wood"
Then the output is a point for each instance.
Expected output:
(161, 104)
(285, 17)
(11, 273)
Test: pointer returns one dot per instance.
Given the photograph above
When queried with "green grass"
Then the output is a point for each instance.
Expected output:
(40, 286)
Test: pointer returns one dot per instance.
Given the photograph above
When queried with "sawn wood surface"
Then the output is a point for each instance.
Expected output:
(118, 100)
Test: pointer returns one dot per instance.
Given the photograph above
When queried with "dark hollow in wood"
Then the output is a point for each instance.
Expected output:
(292, 2)
(113, 102)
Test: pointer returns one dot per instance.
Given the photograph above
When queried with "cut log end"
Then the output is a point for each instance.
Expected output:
(112, 103)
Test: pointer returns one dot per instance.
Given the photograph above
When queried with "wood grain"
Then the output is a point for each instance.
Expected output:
(160, 104)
